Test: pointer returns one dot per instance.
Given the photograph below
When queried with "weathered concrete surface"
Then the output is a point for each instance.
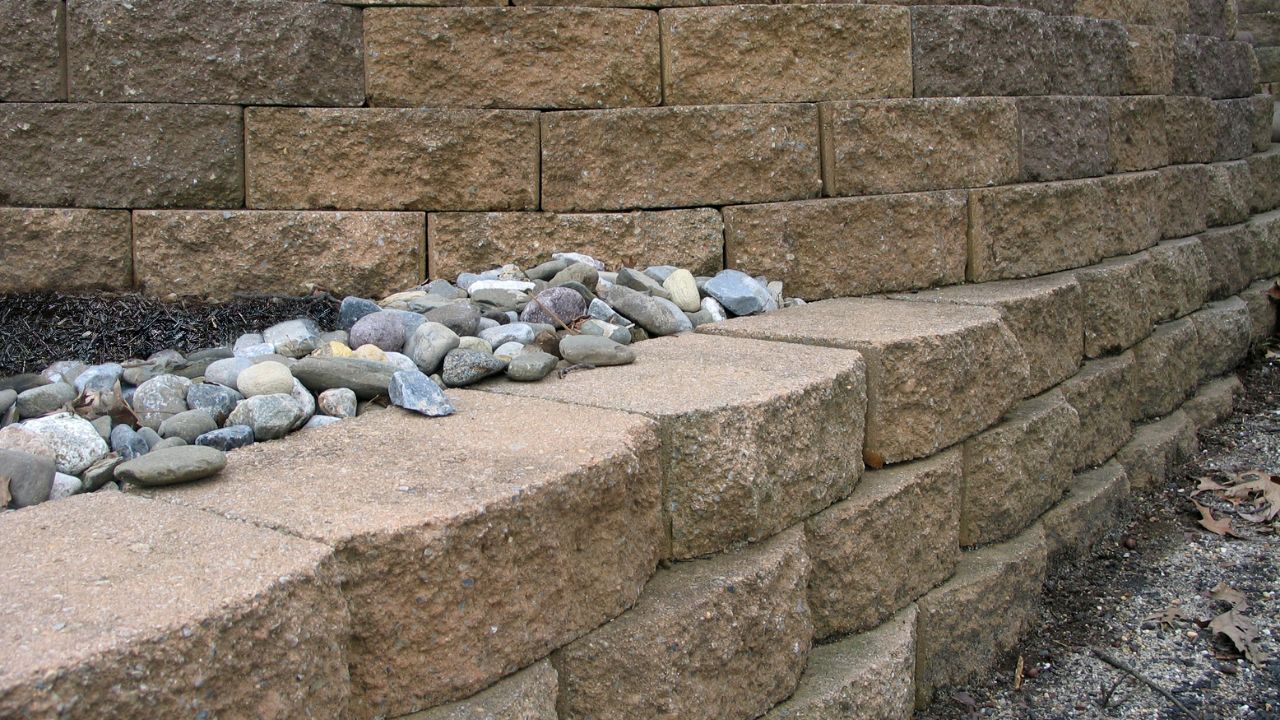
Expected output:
(1138, 134)
(392, 159)
(756, 436)
(244, 52)
(30, 59)
(1166, 369)
(1017, 469)
(119, 156)
(893, 540)
(66, 250)
(1262, 309)
(970, 622)
(723, 637)
(1095, 504)
(1156, 450)
(467, 242)
(1211, 67)
(512, 57)
(785, 53)
(865, 677)
(1235, 128)
(221, 253)
(1225, 331)
(1148, 66)
(1170, 14)
(1186, 206)
(1090, 56)
(1043, 313)
(1115, 306)
(1064, 137)
(962, 51)
(1192, 129)
(1213, 402)
(1102, 394)
(887, 146)
(935, 374)
(1224, 249)
(679, 156)
(902, 242)
(114, 606)
(1230, 190)
(482, 540)
(1263, 169)
(1180, 274)
(527, 695)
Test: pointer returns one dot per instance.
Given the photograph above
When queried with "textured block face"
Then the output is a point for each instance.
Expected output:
(1017, 469)
(1133, 213)
(238, 622)
(482, 551)
(1116, 305)
(1180, 272)
(1095, 505)
(902, 242)
(1263, 115)
(1166, 369)
(722, 637)
(1262, 253)
(963, 51)
(1211, 67)
(679, 156)
(1264, 168)
(468, 242)
(218, 254)
(1192, 129)
(1025, 230)
(1168, 14)
(392, 159)
(1138, 138)
(1102, 395)
(30, 62)
(231, 51)
(885, 546)
(1224, 250)
(1213, 402)
(1090, 56)
(935, 374)
(1230, 189)
(967, 624)
(1186, 201)
(867, 677)
(1263, 26)
(1262, 309)
(1268, 64)
(512, 57)
(1155, 452)
(785, 53)
(886, 146)
(528, 695)
(1212, 17)
(753, 444)
(1063, 137)
(121, 155)
(1235, 128)
(1148, 65)
(46, 249)
(1043, 313)
(1225, 330)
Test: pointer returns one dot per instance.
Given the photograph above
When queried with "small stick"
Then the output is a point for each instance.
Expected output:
(553, 314)
(1121, 665)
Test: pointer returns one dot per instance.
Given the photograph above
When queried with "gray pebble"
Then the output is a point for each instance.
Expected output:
(129, 444)
(160, 398)
(227, 438)
(381, 329)
(64, 486)
(430, 342)
(595, 350)
(188, 425)
(101, 472)
(99, 377)
(217, 400)
(461, 318)
(531, 366)
(338, 402)
(173, 465)
(416, 392)
(293, 338)
(738, 292)
(166, 443)
(522, 333)
(465, 367)
(150, 437)
(353, 308)
(8, 397)
(320, 421)
(44, 399)
(30, 477)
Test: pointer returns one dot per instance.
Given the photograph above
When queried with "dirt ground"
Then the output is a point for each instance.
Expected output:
(1144, 598)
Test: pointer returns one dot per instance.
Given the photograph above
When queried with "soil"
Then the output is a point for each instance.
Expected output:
(1161, 561)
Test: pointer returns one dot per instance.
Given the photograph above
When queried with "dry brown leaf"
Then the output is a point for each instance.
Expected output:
(1267, 490)
(1228, 594)
(1274, 291)
(872, 459)
(1169, 616)
(1217, 526)
(1207, 485)
(1242, 633)
(5, 496)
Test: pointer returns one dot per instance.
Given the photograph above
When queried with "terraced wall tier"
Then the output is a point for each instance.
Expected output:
(1036, 239)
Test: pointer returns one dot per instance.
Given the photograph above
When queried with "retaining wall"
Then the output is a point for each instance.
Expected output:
(693, 535)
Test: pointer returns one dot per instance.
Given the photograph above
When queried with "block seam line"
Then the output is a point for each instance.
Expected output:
(64, 60)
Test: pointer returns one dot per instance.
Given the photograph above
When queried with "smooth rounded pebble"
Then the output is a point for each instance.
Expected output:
(595, 350)
(171, 466)
(265, 378)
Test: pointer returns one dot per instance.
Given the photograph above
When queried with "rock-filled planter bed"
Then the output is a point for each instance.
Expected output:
(170, 418)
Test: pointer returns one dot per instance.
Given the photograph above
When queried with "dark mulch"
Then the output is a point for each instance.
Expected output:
(40, 328)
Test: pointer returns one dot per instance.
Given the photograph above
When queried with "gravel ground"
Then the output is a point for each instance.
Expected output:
(1162, 562)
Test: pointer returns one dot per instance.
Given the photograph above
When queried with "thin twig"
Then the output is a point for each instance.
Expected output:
(1121, 665)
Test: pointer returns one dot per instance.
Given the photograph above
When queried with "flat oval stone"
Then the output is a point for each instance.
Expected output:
(171, 466)
(465, 367)
(99, 377)
(531, 366)
(30, 477)
(188, 425)
(44, 399)
(353, 308)
(128, 444)
(367, 379)
(595, 350)
(265, 378)
(270, 416)
(224, 372)
(385, 330)
(684, 290)
(227, 438)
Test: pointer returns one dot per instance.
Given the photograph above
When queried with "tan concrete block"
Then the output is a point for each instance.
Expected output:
(512, 57)
(882, 146)
(115, 606)
(893, 540)
(902, 242)
(1226, 249)
(1229, 191)
(218, 254)
(755, 442)
(1262, 309)
(1026, 230)
(1095, 504)
(1157, 449)
(1102, 395)
(1132, 215)
(1268, 64)
(469, 242)
(230, 51)
(723, 637)
(1148, 62)
(1186, 207)
(1213, 402)
(1264, 169)
(865, 677)
(1016, 470)
(65, 250)
(30, 56)
(1170, 14)
(1263, 111)
(962, 51)
(1261, 252)
(679, 156)
(1116, 307)
(1043, 313)
(785, 53)
(483, 540)
(1192, 129)
(1064, 137)
(1166, 370)
(1235, 128)
(118, 156)
(391, 159)
(1090, 56)
(1212, 67)
(969, 623)
(527, 695)
(1180, 272)
(1263, 27)
(1138, 137)
(1212, 17)
(936, 374)
(1225, 330)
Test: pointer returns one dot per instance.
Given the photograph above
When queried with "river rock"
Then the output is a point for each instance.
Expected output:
(660, 272)
(169, 442)
(353, 308)
(684, 290)
(714, 309)
(444, 289)
(217, 400)
(600, 310)
(369, 351)
(44, 399)
(30, 477)
(514, 286)
(461, 318)
(600, 328)
(224, 372)
(228, 438)
(578, 257)
(408, 320)
(317, 421)
(508, 351)
(547, 270)
(740, 293)
(557, 306)
(305, 400)
(253, 351)
(160, 398)
(188, 425)
(103, 426)
(128, 444)
(655, 315)
(7, 399)
(338, 402)
(470, 342)
(64, 486)
(383, 329)
(265, 378)
(99, 377)
(367, 379)
(522, 333)
(412, 390)
(465, 367)
(173, 465)
(293, 338)
(428, 345)
(640, 282)
(531, 366)
(150, 437)
(25, 381)
(595, 350)
(101, 472)
(270, 416)
(75, 442)
(579, 273)
(400, 361)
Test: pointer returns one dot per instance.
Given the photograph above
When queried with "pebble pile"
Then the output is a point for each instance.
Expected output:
(172, 418)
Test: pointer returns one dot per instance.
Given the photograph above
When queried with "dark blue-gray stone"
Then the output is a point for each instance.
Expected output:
(218, 400)
(465, 367)
(228, 438)
(414, 391)
(353, 308)
(738, 292)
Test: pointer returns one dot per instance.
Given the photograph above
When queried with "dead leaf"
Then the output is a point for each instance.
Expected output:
(1169, 616)
(1242, 633)
(1274, 291)
(1228, 594)
(5, 496)
(1207, 485)
(1264, 487)
(872, 459)
(1214, 525)
(1017, 675)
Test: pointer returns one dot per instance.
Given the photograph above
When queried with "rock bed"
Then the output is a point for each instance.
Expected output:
(78, 427)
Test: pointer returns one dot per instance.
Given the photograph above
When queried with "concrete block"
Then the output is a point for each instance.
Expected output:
(1213, 402)
(902, 242)
(1263, 110)
(1116, 309)
(392, 159)
(1138, 133)
(1170, 14)
(512, 57)
(1156, 451)
(1225, 330)
(977, 51)
(1026, 230)
(890, 542)
(1229, 192)
(1148, 63)
(64, 250)
(527, 695)
(1102, 395)
(1212, 17)
(1095, 504)
(1132, 217)
(1263, 26)
(1090, 56)
(30, 58)
(1261, 252)
(1236, 128)
(1268, 64)
(1192, 129)
(1212, 67)
(1264, 168)
(1180, 272)
(679, 156)
(1064, 137)
(1166, 369)
(1186, 206)
(1225, 250)
(1262, 309)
